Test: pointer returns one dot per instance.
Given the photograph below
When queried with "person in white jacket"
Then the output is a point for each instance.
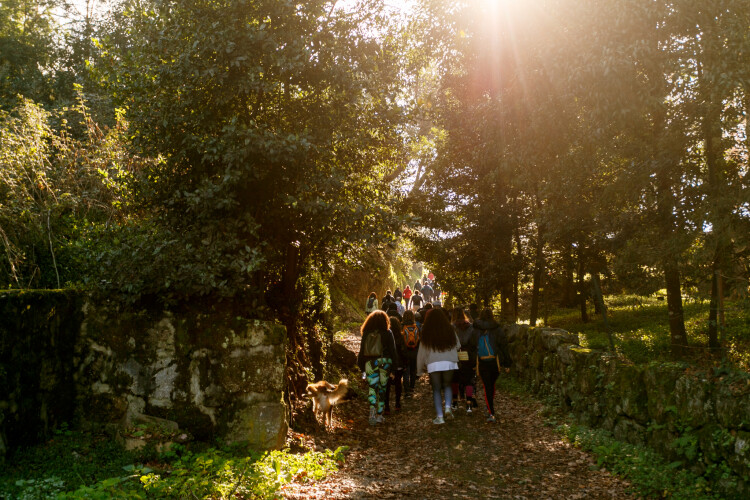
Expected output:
(438, 356)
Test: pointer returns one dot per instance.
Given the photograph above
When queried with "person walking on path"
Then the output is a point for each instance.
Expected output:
(377, 355)
(417, 286)
(416, 300)
(387, 299)
(407, 297)
(397, 295)
(427, 292)
(488, 338)
(372, 303)
(465, 377)
(398, 369)
(410, 331)
(438, 356)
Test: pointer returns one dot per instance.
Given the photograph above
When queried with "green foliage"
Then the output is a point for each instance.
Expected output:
(641, 334)
(77, 465)
(55, 190)
(651, 475)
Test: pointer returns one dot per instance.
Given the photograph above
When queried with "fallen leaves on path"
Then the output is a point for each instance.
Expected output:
(517, 457)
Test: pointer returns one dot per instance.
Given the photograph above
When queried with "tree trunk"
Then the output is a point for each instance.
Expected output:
(296, 378)
(599, 300)
(569, 288)
(582, 292)
(677, 331)
(539, 265)
(712, 138)
(713, 312)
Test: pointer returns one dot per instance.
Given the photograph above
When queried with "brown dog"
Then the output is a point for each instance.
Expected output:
(325, 395)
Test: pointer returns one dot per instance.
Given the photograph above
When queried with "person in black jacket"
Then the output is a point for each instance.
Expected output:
(377, 355)
(489, 339)
(397, 369)
(387, 299)
(397, 295)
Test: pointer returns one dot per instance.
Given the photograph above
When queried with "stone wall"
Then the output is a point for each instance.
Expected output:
(38, 335)
(699, 418)
(213, 371)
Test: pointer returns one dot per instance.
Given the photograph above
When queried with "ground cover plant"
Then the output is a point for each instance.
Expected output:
(77, 465)
(641, 332)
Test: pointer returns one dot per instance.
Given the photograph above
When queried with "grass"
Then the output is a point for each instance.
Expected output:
(640, 327)
(77, 465)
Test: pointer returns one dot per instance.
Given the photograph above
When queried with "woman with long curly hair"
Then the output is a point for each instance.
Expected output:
(438, 356)
(377, 355)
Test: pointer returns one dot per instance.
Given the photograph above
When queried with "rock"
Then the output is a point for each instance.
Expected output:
(342, 357)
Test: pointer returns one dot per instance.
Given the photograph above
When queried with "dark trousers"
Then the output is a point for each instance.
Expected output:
(395, 382)
(489, 373)
(410, 372)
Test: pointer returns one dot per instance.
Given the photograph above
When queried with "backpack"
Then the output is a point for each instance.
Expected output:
(411, 336)
(484, 349)
(372, 345)
(370, 302)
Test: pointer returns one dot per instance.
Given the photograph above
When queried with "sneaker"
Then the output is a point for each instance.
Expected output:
(438, 420)
(449, 414)
(491, 418)
(468, 410)
(379, 419)
(454, 405)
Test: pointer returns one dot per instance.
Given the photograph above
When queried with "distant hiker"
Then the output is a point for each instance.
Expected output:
(407, 297)
(438, 347)
(416, 300)
(387, 299)
(393, 311)
(417, 286)
(427, 292)
(436, 289)
(410, 332)
(372, 303)
(488, 337)
(398, 369)
(397, 295)
(465, 376)
(377, 354)
(400, 307)
(431, 277)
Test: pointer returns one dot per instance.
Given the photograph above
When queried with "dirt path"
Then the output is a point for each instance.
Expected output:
(517, 457)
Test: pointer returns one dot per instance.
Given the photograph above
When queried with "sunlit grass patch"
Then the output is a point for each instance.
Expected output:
(640, 326)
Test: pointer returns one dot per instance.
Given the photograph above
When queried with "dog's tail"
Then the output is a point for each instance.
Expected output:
(339, 392)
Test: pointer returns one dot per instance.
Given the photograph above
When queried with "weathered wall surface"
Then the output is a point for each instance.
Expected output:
(213, 372)
(684, 414)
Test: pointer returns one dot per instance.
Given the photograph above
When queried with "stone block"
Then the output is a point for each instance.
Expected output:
(694, 400)
(629, 431)
(732, 405)
(660, 381)
(262, 426)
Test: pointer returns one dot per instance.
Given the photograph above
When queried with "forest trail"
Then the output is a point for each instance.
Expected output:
(517, 457)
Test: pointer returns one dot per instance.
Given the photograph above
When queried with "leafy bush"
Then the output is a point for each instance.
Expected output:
(650, 474)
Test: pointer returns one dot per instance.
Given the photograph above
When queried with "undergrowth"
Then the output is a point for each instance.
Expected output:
(640, 326)
(78, 465)
(650, 475)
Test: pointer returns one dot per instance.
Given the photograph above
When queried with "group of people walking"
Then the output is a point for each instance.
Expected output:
(455, 348)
